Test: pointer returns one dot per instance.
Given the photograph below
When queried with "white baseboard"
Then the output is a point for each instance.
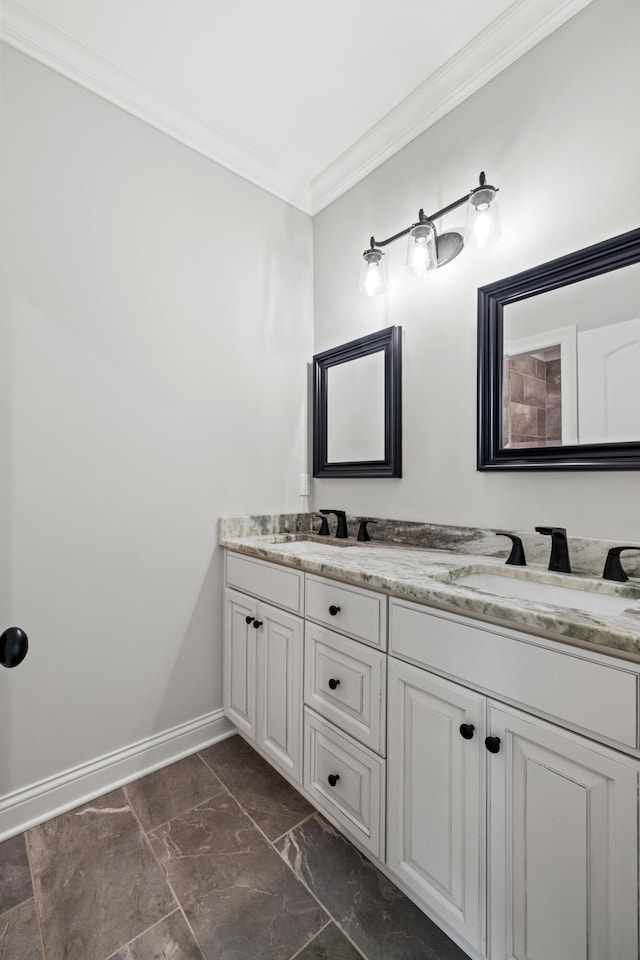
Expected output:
(32, 805)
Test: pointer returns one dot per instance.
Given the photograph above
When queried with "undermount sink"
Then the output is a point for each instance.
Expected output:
(560, 596)
(308, 546)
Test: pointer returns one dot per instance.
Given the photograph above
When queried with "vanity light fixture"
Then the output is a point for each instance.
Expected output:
(428, 251)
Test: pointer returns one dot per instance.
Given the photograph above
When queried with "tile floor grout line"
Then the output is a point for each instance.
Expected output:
(304, 946)
(294, 827)
(173, 893)
(181, 813)
(133, 939)
(316, 897)
(257, 825)
(299, 879)
(35, 896)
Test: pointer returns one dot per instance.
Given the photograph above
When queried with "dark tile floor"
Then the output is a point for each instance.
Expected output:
(215, 857)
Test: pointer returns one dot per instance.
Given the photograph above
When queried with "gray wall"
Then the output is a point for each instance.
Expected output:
(557, 133)
(155, 330)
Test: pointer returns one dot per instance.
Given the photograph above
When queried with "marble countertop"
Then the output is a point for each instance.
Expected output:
(424, 575)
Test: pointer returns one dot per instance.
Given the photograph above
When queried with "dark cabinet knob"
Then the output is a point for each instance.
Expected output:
(333, 684)
(467, 730)
(249, 619)
(492, 744)
(14, 644)
(333, 610)
(257, 624)
(333, 779)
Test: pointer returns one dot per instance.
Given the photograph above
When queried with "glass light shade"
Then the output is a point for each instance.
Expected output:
(421, 249)
(372, 273)
(483, 223)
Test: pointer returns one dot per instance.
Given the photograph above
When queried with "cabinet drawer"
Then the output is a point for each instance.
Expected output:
(356, 799)
(278, 585)
(554, 680)
(345, 682)
(361, 614)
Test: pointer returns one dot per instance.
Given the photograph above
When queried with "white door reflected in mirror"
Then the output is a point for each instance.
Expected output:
(571, 372)
(609, 366)
(355, 410)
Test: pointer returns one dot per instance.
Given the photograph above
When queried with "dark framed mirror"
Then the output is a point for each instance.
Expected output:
(357, 407)
(559, 363)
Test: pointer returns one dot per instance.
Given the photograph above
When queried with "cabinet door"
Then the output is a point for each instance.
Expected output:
(279, 694)
(240, 662)
(563, 845)
(436, 836)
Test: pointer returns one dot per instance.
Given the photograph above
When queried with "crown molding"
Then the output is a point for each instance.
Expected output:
(507, 38)
(500, 44)
(42, 40)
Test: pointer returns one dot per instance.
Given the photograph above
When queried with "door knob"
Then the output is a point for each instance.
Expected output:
(492, 744)
(14, 644)
(333, 610)
(467, 730)
(333, 684)
(333, 779)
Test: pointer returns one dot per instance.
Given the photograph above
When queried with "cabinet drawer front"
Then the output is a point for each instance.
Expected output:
(358, 613)
(560, 684)
(356, 800)
(278, 585)
(357, 703)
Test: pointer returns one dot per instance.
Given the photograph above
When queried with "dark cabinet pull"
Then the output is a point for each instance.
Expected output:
(14, 644)
(467, 730)
(333, 779)
(333, 610)
(492, 744)
(249, 619)
(257, 624)
(334, 684)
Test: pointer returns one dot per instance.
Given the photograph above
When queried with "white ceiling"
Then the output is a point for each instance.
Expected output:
(302, 98)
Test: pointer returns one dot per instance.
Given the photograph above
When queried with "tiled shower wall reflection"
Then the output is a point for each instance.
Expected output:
(532, 401)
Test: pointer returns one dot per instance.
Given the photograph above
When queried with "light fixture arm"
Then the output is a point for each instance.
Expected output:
(424, 219)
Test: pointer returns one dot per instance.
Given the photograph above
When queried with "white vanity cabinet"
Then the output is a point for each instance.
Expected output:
(529, 852)
(494, 775)
(263, 659)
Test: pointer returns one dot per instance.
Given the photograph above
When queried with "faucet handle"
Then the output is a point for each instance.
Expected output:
(324, 527)
(516, 558)
(613, 567)
(549, 531)
(363, 533)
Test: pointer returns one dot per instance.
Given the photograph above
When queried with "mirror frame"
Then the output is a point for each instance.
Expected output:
(389, 341)
(612, 254)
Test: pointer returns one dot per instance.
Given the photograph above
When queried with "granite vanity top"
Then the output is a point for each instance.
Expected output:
(425, 575)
